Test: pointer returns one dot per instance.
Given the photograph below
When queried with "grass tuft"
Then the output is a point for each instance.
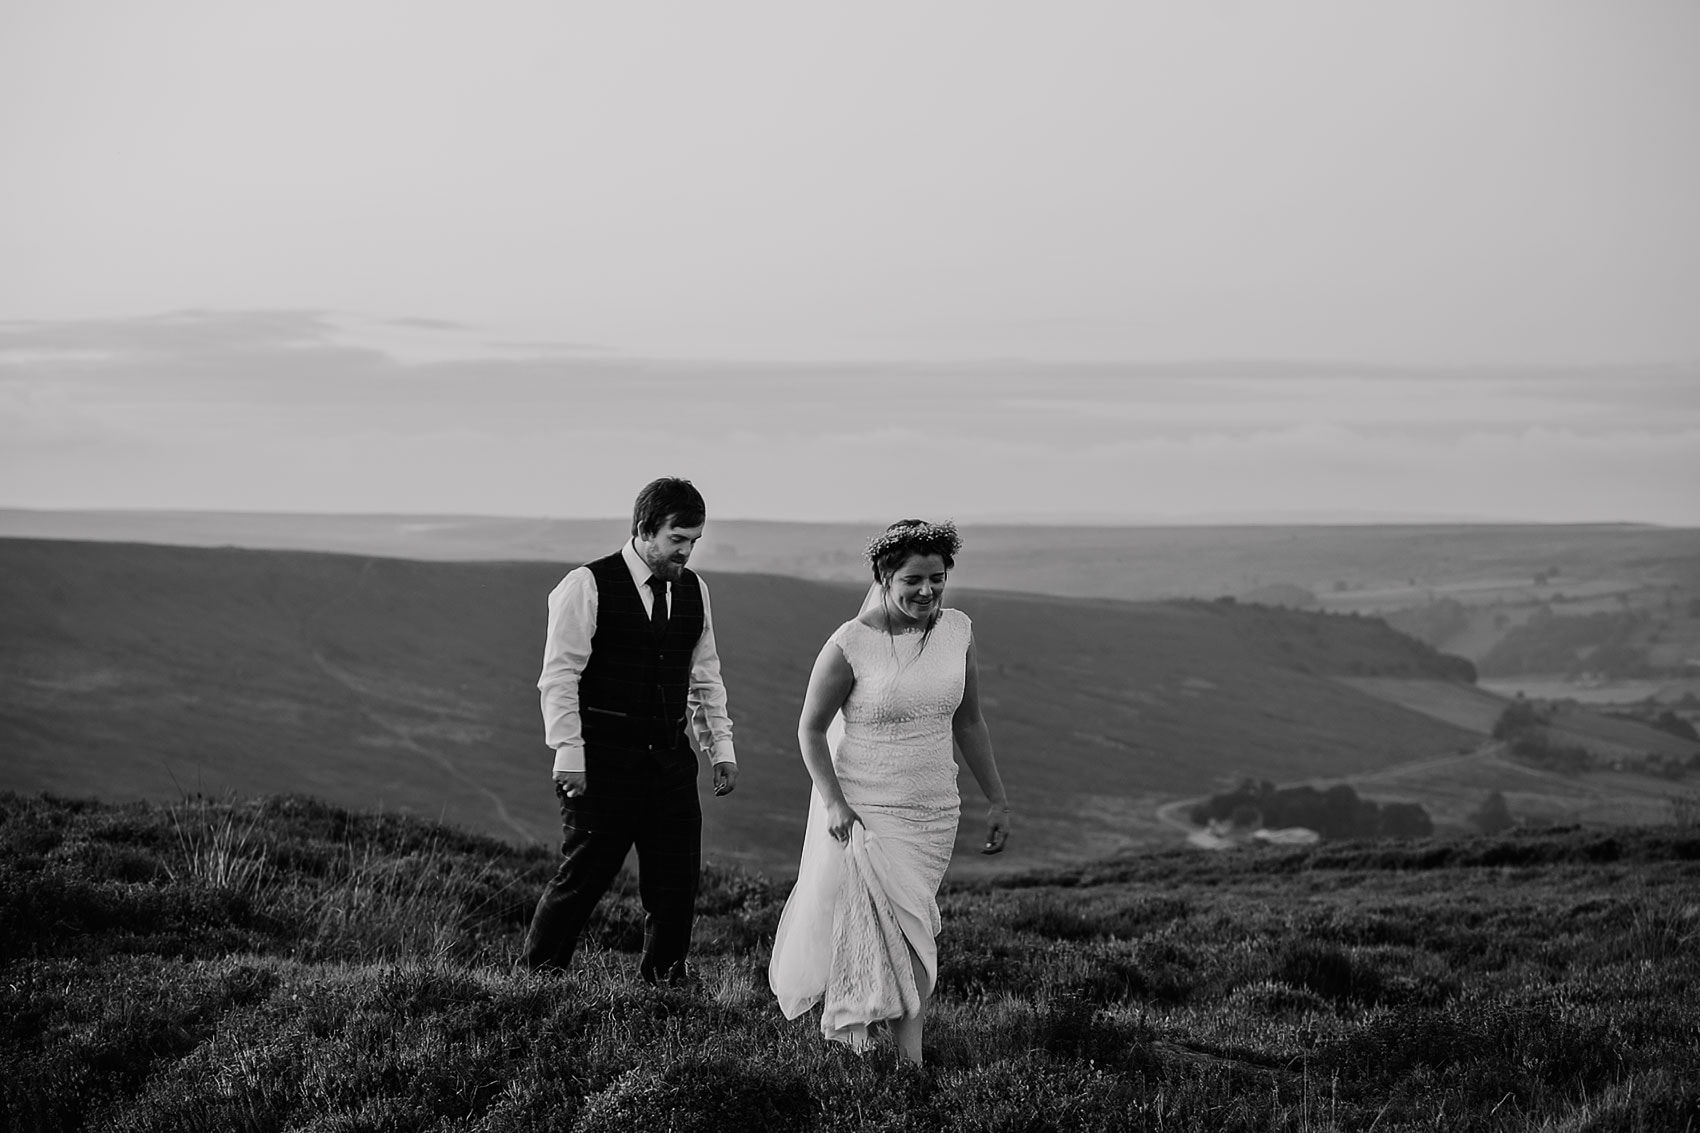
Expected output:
(218, 846)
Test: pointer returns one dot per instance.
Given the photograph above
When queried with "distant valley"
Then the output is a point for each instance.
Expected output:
(143, 670)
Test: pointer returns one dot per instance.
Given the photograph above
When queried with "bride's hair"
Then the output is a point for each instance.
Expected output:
(892, 548)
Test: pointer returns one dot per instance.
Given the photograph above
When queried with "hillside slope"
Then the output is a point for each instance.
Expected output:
(286, 964)
(132, 670)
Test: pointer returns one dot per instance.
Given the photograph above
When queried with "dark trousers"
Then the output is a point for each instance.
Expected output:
(598, 829)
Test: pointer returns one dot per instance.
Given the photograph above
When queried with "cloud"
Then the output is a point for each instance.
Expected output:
(179, 333)
(277, 410)
(428, 324)
(1536, 474)
(542, 346)
(155, 355)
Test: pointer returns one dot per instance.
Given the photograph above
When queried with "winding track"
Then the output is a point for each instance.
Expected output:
(366, 693)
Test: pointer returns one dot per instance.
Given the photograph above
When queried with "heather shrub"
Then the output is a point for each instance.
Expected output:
(700, 1095)
(362, 979)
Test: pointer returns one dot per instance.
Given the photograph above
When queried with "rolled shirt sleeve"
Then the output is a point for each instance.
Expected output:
(566, 650)
(711, 724)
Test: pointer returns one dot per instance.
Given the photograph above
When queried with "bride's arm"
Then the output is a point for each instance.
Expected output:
(829, 685)
(969, 727)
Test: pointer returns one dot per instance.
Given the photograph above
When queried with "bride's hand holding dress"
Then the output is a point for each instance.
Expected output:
(840, 819)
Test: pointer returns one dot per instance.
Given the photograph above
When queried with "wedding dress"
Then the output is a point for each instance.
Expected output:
(860, 906)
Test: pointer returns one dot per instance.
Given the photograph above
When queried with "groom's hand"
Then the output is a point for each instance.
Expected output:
(570, 783)
(725, 778)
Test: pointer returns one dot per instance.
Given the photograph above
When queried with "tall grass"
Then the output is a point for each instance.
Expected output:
(363, 980)
(218, 845)
(374, 905)
(1685, 809)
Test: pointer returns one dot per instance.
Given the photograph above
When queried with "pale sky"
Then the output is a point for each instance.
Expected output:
(851, 261)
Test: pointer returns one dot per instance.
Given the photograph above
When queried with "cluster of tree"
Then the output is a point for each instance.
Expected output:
(1334, 813)
(1281, 594)
(1665, 720)
(1618, 660)
(1493, 815)
(1663, 766)
(1540, 750)
(1520, 727)
(1606, 643)
(1519, 716)
(1668, 721)
(1436, 623)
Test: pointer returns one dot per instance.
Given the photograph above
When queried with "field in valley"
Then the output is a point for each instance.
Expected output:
(1451, 789)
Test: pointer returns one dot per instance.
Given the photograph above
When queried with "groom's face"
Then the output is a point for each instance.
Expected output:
(668, 549)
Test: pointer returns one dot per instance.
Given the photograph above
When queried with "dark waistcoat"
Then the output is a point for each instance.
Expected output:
(633, 690)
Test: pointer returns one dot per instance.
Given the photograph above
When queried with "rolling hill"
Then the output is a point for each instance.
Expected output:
(1363, 567)
(146, 671)
(1465, 588)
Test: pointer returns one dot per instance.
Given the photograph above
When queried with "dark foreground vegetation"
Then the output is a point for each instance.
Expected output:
(282, 964)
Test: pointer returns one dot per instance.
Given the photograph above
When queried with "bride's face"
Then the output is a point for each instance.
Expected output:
(917, 587)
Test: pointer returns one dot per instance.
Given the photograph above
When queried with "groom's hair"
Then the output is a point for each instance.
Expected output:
(664, 499)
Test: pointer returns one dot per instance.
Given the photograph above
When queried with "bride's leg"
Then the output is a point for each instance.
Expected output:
(908, 1029)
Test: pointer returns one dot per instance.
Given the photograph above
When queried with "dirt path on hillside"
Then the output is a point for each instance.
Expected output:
(405, 736)
(1571, 784)
(413, 701)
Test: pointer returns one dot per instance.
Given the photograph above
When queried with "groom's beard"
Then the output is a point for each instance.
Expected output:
(665, 566)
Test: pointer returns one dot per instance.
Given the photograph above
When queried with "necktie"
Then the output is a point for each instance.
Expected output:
(658, 605)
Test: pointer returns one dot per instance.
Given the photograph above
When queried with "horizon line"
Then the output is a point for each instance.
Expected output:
(1015, 519)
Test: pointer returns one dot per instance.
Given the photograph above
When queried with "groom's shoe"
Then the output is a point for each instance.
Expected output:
(681, 975)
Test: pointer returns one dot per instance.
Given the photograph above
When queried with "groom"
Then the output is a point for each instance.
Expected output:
(629, 665)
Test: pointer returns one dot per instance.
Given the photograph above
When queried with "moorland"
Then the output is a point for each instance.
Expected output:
(270, 832)
(281, 963)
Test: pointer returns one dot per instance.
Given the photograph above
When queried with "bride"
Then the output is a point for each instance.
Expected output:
(889, 692)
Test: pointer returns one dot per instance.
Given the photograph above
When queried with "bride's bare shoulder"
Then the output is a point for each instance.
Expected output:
(844, 631)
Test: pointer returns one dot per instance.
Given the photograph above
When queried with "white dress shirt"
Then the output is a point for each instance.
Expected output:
(566, 650)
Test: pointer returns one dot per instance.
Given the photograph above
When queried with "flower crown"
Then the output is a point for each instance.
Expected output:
(932, 536)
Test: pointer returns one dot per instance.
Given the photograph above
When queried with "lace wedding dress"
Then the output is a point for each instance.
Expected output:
(859, 907)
